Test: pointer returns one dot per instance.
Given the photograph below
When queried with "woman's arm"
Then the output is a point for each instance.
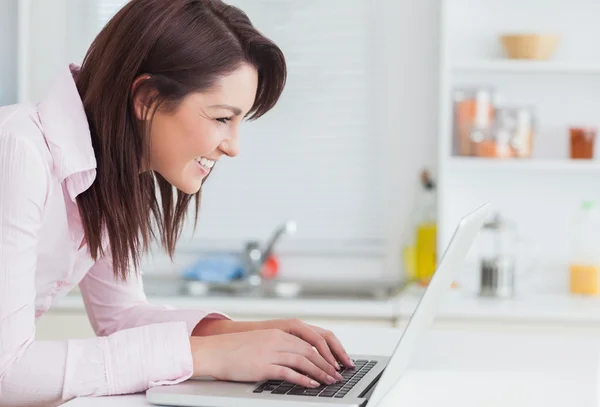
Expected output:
(49, 373)
(113, 305)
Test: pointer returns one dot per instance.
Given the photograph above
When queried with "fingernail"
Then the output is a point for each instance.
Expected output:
(337, 365)
(352, 363)
(339, 376)
(314, 384)
(330, 380)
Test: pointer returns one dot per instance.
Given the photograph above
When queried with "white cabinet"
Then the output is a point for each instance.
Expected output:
(74, 324)
(61, 325)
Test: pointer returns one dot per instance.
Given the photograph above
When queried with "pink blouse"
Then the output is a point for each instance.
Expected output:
(46, 160)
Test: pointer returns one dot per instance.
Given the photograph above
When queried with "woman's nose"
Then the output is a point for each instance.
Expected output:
(230, 147)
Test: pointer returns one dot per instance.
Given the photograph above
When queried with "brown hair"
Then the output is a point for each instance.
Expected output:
(183, 46)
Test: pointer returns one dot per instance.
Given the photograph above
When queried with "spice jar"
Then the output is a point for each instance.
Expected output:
(582, 142)
(524, 126)
(473, 110)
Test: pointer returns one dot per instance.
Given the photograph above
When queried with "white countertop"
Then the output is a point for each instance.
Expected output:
(551, 307)
(471, 369)
(333, 308)
(533, 307)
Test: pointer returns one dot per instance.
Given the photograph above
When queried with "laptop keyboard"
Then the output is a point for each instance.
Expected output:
(338, 390)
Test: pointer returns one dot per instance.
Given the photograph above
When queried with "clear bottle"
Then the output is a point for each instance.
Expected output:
(426, 232)
(584, 266)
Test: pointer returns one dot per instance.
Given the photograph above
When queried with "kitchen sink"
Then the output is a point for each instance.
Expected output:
(272, 289)
(289, 289)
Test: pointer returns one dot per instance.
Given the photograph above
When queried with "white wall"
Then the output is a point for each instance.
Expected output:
(410, 90)
(8, 51)
(407, 96)
(56, 35)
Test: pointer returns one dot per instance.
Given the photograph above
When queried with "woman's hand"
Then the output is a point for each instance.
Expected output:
(251, 343)
(260, 355)
(326, 343)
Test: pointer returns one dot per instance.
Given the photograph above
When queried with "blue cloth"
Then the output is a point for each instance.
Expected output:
(217, 268)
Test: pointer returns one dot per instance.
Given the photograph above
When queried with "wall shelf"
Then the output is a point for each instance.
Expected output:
(538, 194)
(525, 66)
(533, 164)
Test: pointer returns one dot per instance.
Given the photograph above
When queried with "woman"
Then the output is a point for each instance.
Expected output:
(158, 100)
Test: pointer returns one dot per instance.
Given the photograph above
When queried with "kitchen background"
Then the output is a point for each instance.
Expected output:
(399, 117)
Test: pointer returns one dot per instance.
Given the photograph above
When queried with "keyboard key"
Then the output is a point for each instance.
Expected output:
(258, 390)
(327, 394)
(296, 392)
(280, 391)
(312, 392)
(339, 396)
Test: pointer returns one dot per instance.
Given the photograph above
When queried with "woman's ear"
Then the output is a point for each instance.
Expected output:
(142, 101)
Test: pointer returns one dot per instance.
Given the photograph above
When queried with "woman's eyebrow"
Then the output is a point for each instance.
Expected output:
(236, 110)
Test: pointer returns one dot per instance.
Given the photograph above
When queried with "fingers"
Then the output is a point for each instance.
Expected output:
(300, 347)
(280, 372)
(335, 345)
(302, 364)
(310, 335)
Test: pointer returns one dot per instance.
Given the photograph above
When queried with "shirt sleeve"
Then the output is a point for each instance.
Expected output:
(48, 373)
(113, 305)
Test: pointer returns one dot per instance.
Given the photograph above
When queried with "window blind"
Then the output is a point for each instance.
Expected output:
(314, 157)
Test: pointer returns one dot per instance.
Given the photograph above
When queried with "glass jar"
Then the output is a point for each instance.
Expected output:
(510, 135)
(582, 142)
(473, 110)
(521, 120)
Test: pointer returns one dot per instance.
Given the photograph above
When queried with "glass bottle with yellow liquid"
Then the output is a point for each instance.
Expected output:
(584, 267)
(426, 234)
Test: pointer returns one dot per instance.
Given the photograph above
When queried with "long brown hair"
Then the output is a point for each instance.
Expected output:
(183, 46)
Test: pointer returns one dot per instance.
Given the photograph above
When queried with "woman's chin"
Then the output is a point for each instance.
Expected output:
(188, 181)
(190, 187)
(187, 184)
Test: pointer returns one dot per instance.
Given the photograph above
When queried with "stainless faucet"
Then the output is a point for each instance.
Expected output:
(255, 257)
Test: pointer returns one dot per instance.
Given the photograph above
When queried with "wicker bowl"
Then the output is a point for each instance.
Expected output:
(529, 46)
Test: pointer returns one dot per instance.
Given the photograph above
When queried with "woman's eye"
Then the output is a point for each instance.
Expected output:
(224, 120)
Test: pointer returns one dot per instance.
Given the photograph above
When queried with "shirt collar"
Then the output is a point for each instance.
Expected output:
(67, 133)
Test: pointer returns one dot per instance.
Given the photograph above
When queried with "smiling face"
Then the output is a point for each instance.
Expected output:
(186, 142)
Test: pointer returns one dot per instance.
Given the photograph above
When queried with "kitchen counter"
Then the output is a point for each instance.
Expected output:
(458, 305)
(470, 369)
(316, 308)
(551, 307)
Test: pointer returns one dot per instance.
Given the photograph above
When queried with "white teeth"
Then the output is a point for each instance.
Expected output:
(205, 162)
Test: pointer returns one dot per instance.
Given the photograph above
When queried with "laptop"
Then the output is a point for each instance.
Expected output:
(366, 384)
